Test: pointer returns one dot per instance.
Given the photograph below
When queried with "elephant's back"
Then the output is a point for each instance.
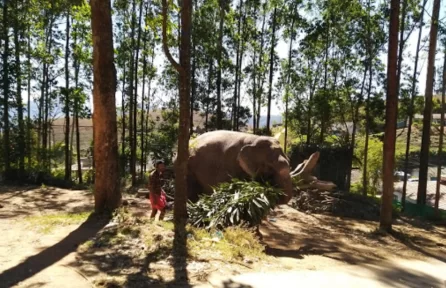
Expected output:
(221, 140)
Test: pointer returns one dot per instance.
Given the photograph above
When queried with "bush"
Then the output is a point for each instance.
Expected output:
(234, 203)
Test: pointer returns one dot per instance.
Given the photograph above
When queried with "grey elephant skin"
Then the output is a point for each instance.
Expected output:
(219, 156)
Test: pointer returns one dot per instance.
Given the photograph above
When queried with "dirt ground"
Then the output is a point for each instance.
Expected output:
(413, 256)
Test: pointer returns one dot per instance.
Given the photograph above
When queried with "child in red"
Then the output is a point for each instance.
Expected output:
(158, 198)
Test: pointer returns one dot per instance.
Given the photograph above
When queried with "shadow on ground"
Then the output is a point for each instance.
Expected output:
(34, 264)
(295, 235)
(28, 200)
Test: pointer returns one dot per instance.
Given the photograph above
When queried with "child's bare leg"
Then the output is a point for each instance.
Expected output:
(153, 215)
(163, 212)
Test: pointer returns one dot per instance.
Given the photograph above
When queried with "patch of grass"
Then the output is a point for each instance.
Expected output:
(46, 223)
(86, 246)
(237, 243)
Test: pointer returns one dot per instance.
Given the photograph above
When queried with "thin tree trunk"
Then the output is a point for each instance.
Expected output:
(193, 84)
(208, 99)
(271, 71)
(19, 93)
(107, 193)
(123, 116)
(355, 123)
(144, 68)
(412, 100)
(219, 70)
(180, 212)
(325, 115)
(135, 107)
(365, 180)
(6, 150)
(440, 145)
(148, 104)
(254, 94)
(28, 142)
(401, 44)
(391, 119)
(76, 115)
(237, 64)
(425, 140)
(67, 103)
(131, 96)
(261, 75)
(287, 89)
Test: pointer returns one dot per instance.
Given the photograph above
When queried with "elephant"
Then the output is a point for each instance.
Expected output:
(218, 156)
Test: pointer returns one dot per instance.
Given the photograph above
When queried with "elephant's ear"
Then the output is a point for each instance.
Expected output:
(248, 159)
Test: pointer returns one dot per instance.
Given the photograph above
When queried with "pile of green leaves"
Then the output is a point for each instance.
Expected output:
(234, 203)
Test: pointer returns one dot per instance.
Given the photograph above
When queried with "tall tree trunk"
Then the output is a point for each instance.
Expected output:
(242, 52)
(208, 99)
(6, 150)
(325, 116)
(401, 44)
(254, 94)
(365, 179)
(355, 116)
(193, 84)
(132, 95)
(67, 102)
(425, 140)
(261, 75)
(19, 92)
(237, 64)
(135, 107)
(107, 193)
(440, 145)
(287, 89)
(180, 212)
(271, 71)
(391, 119)
(411, 106)
(219, 64)
(149, 91)
(77, 107)
(144, 68)
(28, 140)
(123, 116)
(46, 102)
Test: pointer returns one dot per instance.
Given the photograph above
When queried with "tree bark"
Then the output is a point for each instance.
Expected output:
(19, 92)
(425, 140)
(365, 180)
(287, 91)
(123, 116)
(412, 100)
(219, 70)
(28, 140)
(107, 193)
(132, 96)
(271, 71)
(6, 150)
(237, 64)
(67, 102)
(180, 212)
(144, 68)
(440, 145)
(391, 119)
(135, 106)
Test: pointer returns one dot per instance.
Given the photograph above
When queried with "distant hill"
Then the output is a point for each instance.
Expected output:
(274, 119)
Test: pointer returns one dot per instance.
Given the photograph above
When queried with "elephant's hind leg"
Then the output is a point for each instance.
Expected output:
(193, 188)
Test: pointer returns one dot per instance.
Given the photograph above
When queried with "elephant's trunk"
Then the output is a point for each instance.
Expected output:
(283, 180)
